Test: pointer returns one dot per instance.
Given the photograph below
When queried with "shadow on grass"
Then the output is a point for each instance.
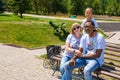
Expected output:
(18, 46)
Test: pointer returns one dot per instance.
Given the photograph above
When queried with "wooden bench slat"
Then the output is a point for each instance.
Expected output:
(114, 59)
(111, 63)
(112, 53)
(111, 67)
(56, 58)
(110, 74)
(77, 76)
(60, 56)
(113, 49)
(112, 45)
(111, 70)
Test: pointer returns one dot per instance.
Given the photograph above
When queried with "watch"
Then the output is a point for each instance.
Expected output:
(83, 56)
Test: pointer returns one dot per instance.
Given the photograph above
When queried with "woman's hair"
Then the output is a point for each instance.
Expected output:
(74, 25)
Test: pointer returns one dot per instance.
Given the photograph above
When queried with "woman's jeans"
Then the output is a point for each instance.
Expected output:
(89, 66)
(63, 61)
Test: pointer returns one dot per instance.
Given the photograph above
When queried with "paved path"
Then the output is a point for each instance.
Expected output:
(21, 64)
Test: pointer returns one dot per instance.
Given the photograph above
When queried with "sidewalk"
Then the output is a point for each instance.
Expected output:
(21, 64)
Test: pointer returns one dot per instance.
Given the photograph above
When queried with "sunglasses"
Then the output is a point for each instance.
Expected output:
(87, 26)
(76, 28)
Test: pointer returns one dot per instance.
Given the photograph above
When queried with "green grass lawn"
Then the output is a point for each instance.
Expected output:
(29, 32)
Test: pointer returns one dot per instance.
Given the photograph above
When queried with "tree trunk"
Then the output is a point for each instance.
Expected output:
(21, 14)
(36, 6)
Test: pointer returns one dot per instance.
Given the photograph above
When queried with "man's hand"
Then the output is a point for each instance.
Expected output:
(72, 62)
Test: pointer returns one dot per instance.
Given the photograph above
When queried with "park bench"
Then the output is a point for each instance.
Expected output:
(110, 70)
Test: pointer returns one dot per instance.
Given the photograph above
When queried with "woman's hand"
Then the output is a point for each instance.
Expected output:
(78, 54)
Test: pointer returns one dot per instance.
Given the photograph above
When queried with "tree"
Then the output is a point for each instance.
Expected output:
(103, 6)
(75, 7)
(117, 7)
(18, 6)
(72, 7)
(1, 6)
(97, 6)
(22, 5)
(118, 11)
(88, 3)
(111, 7)
(55, 6)
(45, 6)
(36, 5)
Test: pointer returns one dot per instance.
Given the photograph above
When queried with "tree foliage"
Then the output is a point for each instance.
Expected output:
(72, 7)
(75, 7)
(18, 6)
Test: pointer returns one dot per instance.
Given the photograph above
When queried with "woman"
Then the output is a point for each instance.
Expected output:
(72, 45)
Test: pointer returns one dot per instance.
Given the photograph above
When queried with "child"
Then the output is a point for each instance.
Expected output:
(89, 16)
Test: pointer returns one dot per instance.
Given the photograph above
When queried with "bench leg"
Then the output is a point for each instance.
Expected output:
(54, 72)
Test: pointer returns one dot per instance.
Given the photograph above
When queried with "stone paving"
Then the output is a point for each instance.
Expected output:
(21, 64)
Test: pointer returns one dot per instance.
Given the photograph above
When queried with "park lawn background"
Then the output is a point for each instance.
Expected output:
(29, 32)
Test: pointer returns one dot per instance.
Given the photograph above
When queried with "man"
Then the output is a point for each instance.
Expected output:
(91, 55)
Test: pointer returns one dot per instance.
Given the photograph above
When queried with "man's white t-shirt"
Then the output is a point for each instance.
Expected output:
(90, 45)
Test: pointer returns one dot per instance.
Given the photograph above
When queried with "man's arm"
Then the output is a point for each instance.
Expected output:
(95, 55)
